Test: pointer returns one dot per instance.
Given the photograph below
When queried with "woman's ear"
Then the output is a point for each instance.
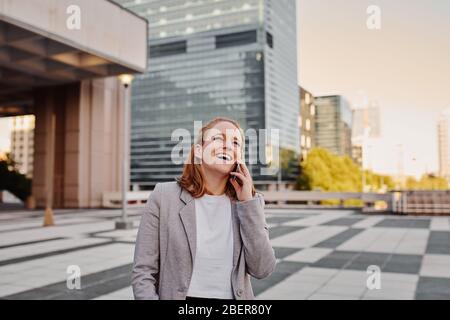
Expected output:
(198, 154)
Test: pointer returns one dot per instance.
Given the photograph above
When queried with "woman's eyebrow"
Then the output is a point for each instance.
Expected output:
(218, 134)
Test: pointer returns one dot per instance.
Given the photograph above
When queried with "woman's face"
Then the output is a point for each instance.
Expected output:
(222, 147)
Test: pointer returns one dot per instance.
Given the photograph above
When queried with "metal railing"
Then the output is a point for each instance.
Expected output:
(422, 202)
(398, 202)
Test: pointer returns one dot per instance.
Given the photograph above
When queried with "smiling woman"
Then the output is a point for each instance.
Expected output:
(213, 158)
(206, 234)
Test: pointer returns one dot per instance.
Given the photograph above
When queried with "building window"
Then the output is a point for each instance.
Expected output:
(168, 49)
(313, 110)
(308, 142)
(235, 39)
(269, 39)
(308, 124)
(303, 141)
(307, 98)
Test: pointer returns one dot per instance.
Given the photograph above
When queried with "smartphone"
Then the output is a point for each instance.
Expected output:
(237, 168)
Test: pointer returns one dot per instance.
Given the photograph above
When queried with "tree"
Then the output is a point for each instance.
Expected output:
(289, 163)
(12, 180)
(323, 170)
(427, 182)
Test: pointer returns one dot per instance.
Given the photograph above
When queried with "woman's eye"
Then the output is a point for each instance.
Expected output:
(217, 138)
(237, 143)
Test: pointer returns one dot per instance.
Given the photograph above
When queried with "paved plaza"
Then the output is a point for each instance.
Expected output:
(322, 254)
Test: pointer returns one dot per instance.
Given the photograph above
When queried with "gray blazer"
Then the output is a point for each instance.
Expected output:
(166, 243)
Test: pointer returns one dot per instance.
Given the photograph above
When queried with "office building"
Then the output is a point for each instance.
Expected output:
(22, 143)
(307, 122)
(213, 58)
(333, 124)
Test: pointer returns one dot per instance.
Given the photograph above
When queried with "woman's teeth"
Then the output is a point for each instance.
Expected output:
(224, 156)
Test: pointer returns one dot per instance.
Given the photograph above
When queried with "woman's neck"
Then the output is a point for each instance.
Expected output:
(215, 184)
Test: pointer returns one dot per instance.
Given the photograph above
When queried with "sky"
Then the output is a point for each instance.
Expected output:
(404, 67)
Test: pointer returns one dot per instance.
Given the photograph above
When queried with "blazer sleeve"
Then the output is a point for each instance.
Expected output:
(259, 254)
(145, 274)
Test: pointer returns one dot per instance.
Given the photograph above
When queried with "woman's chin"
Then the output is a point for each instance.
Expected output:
(222, 169)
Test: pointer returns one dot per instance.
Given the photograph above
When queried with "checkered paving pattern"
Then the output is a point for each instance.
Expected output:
(321, 254)
(326, 255)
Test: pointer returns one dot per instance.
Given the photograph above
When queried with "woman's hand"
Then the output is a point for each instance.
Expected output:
(244, 192)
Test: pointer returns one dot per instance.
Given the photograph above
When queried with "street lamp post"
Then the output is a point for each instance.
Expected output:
(123, 222)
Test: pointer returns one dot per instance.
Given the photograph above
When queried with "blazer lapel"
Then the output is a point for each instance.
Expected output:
(187, 216)
(237, 245)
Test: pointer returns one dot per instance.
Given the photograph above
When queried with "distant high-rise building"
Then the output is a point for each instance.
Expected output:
(333, 124)
(307, 122)
(444, 144)
(213, 58)
(357, 154)
(366, 119)
(365, 126)
(22, 143)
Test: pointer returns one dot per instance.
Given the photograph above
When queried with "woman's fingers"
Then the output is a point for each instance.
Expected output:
(244, 168)
(239, 175)
(236, 185)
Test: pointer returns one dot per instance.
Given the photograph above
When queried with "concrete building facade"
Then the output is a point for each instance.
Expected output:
(59, 60)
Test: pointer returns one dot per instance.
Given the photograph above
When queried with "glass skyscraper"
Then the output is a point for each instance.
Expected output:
(234, 58)
(334, 124)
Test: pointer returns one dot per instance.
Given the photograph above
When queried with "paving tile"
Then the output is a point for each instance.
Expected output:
(307, 237)
(309, 255)
(403, 264)
(404, 223)
(433, 288)
(339, 239)
(348, 222)
(282, 270)
(281, 253)
(336, 260)
(439, 242)
(278, 231)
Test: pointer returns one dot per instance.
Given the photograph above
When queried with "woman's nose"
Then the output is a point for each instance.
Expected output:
(228, 145)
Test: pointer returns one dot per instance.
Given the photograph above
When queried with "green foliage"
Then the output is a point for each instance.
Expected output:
(289, 163)
(325, 171)
(12, 180)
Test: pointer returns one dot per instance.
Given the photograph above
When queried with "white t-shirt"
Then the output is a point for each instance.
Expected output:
(211, 277)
